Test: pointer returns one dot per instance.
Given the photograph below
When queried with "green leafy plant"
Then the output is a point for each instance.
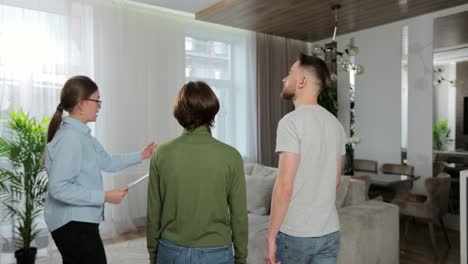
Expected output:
(23, 184)
(327, 101)
(441, 135)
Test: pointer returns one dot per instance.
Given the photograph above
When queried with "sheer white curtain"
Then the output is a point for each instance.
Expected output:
(137, 56)
(42, 43)
(140, 65)
(139, 68)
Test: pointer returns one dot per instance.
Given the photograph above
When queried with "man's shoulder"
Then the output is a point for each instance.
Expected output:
(291, 117)
(332, 119)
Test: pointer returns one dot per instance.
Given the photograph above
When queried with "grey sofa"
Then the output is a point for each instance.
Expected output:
(369, 229)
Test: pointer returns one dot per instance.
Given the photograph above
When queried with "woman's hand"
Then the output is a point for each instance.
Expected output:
(116, 196)
(148, 151)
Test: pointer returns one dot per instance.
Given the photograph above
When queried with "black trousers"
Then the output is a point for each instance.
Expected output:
(80, 243)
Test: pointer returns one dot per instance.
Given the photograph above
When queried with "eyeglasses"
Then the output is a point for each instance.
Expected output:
(99, 102)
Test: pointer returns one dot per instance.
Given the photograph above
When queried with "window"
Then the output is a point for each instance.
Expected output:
(210, 61)
(39, 51)
(225, 59)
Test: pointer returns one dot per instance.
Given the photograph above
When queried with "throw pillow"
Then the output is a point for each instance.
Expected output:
(259, 190)
(248, 168)
(263, 171)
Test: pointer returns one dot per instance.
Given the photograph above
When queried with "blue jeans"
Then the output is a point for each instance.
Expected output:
(170, 253)
(308, 250)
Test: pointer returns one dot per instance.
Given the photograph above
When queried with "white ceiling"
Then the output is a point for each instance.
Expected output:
(189, 6)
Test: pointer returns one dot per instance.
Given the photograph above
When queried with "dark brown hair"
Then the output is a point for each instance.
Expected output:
(75, 90)
(318, 67)
(196, 105)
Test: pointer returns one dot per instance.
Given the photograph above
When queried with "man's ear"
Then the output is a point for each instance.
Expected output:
(303, 81)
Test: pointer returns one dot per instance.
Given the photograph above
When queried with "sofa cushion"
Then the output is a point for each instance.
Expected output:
(354, 231)
(248, 168)
(356, 192)
(369, 221)
(259, 190)
(258, 224)
(341, 192)
(258, 227)
(264, 171)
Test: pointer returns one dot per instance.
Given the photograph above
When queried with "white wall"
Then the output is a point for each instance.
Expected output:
(380, 54)
(420, 94)
(378, 92)
(420, 90)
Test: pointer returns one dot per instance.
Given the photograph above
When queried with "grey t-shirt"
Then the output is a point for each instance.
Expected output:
(319, 139)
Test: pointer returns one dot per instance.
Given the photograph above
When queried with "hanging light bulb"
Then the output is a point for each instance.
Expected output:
(345, 66)
(331, 49)
(359, 69)
(351, 50)
(317, 50)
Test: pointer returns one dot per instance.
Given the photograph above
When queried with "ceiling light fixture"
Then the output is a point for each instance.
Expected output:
(343, 58)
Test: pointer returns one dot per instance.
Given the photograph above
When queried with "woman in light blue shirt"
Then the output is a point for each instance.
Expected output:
(74, 161)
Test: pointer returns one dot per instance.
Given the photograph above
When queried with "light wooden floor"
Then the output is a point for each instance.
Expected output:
(416, 249)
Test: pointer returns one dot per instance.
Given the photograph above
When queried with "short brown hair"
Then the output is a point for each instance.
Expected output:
(318, 67)
(196, 105)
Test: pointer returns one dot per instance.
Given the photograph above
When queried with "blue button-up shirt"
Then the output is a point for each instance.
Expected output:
(74, 160)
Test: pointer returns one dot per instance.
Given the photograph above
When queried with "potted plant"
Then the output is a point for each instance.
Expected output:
(441, 135)
(349, 158)
(23, 185)
(327, 101)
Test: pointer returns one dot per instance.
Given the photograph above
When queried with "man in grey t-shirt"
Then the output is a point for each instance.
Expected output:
(304, 225)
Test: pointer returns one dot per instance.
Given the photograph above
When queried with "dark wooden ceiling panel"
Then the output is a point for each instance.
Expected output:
(313, 20)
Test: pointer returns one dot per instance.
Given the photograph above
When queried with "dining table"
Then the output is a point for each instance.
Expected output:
(386, 179)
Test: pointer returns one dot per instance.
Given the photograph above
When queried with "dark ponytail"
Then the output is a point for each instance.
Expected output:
(74, 90)
(54, 124)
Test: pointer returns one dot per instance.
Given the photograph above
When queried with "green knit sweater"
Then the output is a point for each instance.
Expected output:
(196, 195)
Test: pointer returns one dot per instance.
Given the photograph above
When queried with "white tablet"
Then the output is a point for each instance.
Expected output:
(135, 182)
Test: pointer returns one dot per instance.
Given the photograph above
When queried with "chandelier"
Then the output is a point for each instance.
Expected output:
(343, 59)
(439, 79)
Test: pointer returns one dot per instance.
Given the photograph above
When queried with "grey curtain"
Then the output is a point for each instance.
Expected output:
(275, 55)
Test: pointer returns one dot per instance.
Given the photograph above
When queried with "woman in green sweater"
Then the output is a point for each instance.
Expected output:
(197, 210)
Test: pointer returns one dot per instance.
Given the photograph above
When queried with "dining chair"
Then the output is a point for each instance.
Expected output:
(432, 210)
(401, 189)
(392, 168)
(365, 165)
